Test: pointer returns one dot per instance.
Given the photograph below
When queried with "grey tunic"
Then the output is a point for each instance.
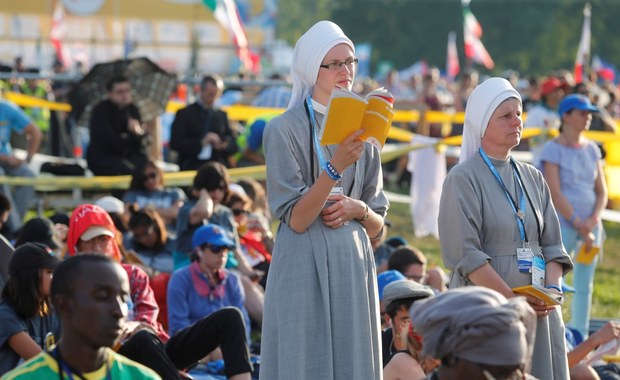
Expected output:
(477, 225)
(321, 317)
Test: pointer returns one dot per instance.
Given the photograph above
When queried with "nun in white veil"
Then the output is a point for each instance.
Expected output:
(321, 317)
(496, 212)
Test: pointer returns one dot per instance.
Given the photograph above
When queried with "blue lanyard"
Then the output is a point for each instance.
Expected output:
(520, 212)
(315, 137)
(63, 367)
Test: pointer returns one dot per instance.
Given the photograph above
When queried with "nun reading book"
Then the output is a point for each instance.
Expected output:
(321, 317)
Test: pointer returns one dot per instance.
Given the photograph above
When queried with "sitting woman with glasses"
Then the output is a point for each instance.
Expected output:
(147, 189)
(150, 241)
(205, 286)
(330, 204)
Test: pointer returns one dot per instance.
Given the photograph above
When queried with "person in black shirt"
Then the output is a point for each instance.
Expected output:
(118, 141)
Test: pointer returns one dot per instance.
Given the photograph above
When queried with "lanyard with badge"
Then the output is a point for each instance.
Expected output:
(338, 189)
(527, 261)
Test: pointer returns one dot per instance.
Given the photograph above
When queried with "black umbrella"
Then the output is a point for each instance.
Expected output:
(151, 87)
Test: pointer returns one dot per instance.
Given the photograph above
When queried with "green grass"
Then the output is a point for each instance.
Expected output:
(606, 298)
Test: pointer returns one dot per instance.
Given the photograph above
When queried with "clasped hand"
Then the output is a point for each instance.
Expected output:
(341, 211)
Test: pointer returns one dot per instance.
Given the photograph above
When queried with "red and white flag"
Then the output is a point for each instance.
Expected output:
(583, 54)
(472, 31)
(59, 29)
(452, 57)
(226, 12)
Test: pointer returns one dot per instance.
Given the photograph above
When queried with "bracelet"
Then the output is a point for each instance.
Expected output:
(331, 171)
(379, 235)
(366, 215)
(556, 287)
(573, 218)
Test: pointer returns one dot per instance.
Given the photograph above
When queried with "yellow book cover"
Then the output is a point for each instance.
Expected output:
(584, 256)
(347, 112)
(550, 297)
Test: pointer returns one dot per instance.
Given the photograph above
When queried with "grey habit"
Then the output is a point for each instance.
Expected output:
(477, 225)
(321, 318)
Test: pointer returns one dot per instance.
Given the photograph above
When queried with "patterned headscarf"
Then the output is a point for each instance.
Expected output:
(476, 324)
(481, 104)
(309, 52)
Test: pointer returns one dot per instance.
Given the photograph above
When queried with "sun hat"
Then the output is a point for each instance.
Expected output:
(405, 289)
(550, 85)
(32, 255)
(212, 234)
(576, 102)
(111, 204)
(387, 277)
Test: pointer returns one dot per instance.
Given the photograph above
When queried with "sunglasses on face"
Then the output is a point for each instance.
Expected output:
(216, 249)
(239, 212)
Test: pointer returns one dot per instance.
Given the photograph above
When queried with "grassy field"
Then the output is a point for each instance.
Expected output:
(606, 300)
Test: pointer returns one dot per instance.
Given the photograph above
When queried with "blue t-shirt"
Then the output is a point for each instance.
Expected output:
(578, 172)
(11, 324)
(12, 118)
(186, 306)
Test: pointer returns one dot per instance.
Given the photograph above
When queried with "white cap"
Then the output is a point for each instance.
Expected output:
(236, 188)
(111, 204)
(94, 231)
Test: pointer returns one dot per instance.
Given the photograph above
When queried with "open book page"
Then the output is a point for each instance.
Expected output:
(348, 112)
(550, 297)
(604, 351)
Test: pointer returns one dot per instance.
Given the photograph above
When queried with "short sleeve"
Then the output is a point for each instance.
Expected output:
(17, 118)
(550, 153)
(11, 323)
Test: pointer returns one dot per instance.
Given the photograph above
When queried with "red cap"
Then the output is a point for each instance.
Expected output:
(550, 85)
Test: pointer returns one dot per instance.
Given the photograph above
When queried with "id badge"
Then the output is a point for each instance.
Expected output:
(524, 258)
(538, 271)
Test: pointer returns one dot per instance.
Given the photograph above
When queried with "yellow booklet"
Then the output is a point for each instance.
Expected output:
(348, 112)
(550, 297)
(584, 256)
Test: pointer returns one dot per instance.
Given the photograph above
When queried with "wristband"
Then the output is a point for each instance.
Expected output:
(331, 171)
(573, 218)
(556, 287)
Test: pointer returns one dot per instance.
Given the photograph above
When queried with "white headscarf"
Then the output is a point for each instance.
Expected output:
(481, 104)
(309, 52)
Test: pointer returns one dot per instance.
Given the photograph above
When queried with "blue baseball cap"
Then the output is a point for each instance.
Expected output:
(212, 234)
(576, 102)
(387, 277)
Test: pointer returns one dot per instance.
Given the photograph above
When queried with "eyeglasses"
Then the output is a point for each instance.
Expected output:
(338, 65)
(150, 176)
(239, 212)
(216, 249)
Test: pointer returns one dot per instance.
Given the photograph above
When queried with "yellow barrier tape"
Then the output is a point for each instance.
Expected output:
(34, 102)
(244, 113)
(54, 183)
